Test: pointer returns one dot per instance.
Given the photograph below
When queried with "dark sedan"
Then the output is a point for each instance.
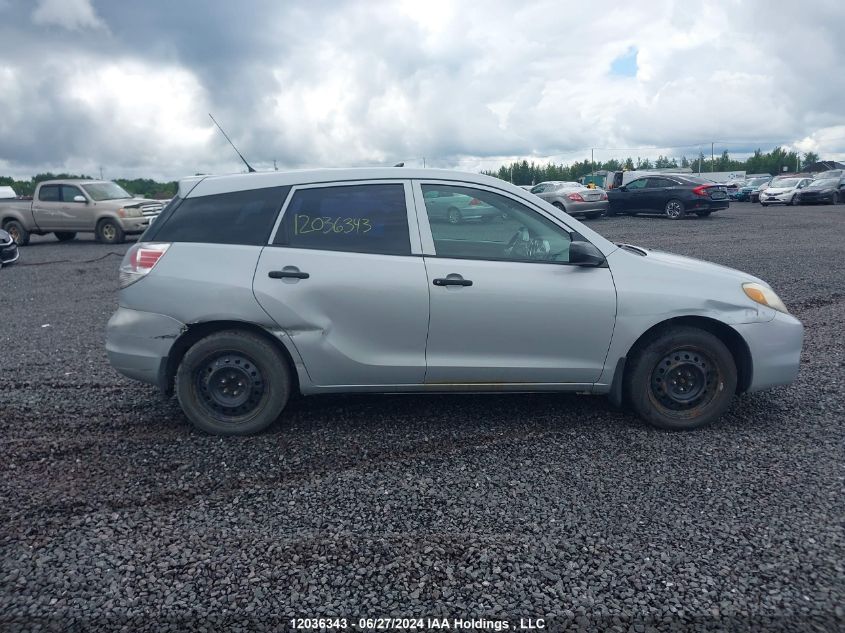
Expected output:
(8, 249)
(671, 195)
(823, 190)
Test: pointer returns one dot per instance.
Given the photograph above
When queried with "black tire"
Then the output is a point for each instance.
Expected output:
(453, 216)
(702, 373)
(764, 204)
(674, 209)
(794, 200)
(611, 212)
(253, 368)
(64, 236)
(834, 199)
(703, 214)
(108, 231)
(18, 233)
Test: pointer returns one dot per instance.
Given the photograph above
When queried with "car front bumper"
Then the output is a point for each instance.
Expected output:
(775, 348)
(138, 344)
(136, 225)
(781, 198)
(9, 253)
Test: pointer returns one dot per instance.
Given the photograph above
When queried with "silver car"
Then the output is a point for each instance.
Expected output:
(253, 287)
(573, 197)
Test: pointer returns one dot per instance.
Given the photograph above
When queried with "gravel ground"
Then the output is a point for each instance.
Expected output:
(116, 514)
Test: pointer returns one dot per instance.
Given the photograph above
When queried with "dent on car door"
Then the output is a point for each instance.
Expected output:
(344, 278)
(506, 304)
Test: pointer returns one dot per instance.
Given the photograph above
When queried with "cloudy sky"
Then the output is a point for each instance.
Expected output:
(127, 86)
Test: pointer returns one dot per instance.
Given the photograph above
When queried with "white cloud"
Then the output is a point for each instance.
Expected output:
(459, 84)
(69, 14)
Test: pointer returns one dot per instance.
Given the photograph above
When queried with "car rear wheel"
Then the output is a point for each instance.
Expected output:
(454, 216)
(64, 236)
(674, 209)
(233, 383)
(17, 232)
(681, 379)
(109, 232)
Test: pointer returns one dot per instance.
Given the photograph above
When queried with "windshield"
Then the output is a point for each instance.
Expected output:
(821, 184)
(100, 191)
(786, 182)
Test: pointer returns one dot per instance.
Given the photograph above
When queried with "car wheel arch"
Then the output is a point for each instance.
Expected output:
(195, 332)
(731, 338)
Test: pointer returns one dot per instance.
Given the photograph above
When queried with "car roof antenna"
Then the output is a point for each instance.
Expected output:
(248, 166)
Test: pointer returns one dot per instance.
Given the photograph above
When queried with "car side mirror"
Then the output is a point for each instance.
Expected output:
(79, 199)
(585, 254)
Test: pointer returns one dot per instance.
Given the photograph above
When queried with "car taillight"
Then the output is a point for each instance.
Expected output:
(140, 260)
(701, 190)
(575, 197)
(603, 196)
(474, 202)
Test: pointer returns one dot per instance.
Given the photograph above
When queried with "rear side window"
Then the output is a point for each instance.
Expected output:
(49, 193)
(240, 217)
(354, 218)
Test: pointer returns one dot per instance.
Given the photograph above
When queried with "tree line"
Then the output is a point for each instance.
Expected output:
(525, 173)
(519, 173)
(141, 187)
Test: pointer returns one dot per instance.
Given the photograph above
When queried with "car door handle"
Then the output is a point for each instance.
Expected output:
(452, 281)
(287, 274)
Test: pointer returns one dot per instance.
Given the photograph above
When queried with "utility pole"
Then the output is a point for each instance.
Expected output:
(274, 165)
(101, 172)
(423, 162)
(712, 159)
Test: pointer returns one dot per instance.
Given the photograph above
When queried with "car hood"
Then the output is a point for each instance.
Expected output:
(691, 264)
(776, 190)
(129, 203)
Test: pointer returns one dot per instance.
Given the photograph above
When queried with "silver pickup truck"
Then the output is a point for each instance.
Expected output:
(68, 207)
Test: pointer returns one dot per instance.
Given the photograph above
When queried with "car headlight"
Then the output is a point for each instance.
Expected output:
(764, 295)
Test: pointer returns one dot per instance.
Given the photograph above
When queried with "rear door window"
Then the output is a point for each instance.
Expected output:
(240, 217)
(367, 218)
(49, 193)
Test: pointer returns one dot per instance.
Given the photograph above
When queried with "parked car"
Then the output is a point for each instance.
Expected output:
(455, 208)
(783, 191)
(8, 249)
(673, 196)
(827, 190)
(7, 193)
(68, 207)
(573, 197)
(252, 287)
(751, 187)
(830, 173)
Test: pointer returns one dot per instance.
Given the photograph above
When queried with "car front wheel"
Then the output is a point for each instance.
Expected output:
(681, 379)
(233, 383)
(674, 209)
(108, 231)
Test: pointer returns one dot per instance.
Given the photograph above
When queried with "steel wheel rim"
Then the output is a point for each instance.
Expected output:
(673, 209)
(109, 231)
(230, 386)
(454, 216)
(14, 234)
(684, 380)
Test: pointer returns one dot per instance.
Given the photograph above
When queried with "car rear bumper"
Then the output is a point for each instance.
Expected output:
(578, 208)
(775, 348)
(707, 205)
(138, 343)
